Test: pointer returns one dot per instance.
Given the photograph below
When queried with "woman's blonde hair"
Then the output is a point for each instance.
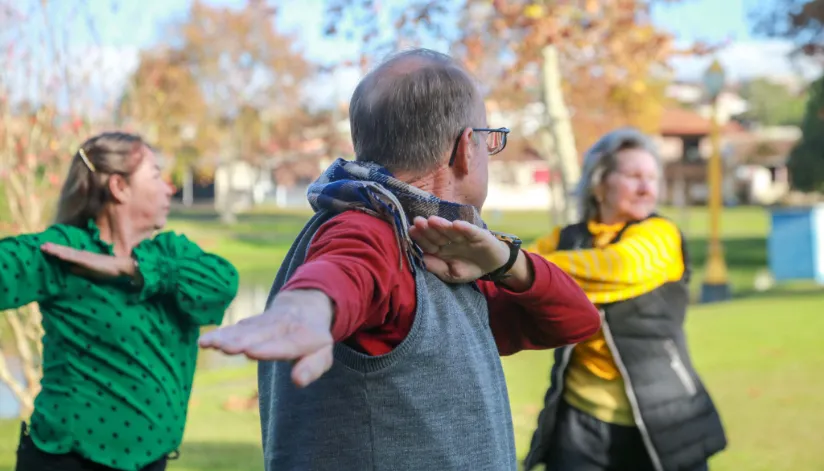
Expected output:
(600, 161)
(86, 189)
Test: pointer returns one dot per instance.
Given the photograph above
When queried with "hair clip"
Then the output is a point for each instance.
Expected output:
(86, 160)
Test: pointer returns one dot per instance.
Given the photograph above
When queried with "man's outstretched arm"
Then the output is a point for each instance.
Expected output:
(344, 285)
(544, 310)
(537, 307)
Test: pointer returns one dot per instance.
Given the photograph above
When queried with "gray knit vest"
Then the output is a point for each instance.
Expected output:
(438, 401)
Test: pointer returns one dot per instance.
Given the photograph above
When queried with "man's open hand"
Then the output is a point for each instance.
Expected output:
(295, 327)
(457, 252)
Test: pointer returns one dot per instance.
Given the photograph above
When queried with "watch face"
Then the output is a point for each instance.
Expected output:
(512, 239)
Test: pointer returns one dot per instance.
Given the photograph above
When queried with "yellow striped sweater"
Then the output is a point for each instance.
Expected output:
(647, 256)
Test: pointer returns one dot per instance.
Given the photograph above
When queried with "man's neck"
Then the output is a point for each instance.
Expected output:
(439, 183)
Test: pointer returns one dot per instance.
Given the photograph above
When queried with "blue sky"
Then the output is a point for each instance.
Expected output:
(706, 19)
(139, 24)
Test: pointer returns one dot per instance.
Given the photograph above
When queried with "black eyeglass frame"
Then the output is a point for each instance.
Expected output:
(504, 132)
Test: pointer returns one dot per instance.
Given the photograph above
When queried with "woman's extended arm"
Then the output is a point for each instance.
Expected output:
(648, 255)
(26, 273)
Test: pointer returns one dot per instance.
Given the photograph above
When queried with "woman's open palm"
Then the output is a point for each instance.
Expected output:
(89, 263)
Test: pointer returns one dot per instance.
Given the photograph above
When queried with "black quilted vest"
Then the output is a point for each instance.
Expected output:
(673, 411)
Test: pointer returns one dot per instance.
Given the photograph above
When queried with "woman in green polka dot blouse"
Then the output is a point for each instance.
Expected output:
(121, 314)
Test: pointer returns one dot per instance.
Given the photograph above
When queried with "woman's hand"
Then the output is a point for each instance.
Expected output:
(91, 264)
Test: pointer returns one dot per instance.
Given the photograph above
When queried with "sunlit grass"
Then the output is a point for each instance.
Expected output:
(760, 355)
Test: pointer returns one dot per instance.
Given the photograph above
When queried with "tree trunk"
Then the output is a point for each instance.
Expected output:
(560, 129)
(557, 201)
(188, 187)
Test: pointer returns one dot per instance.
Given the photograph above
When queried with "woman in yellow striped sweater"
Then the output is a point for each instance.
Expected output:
(627, 399)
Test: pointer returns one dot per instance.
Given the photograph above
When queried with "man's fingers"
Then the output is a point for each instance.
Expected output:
(253, 328)
(426, 231)
(213, 337)
(291, 346)
(436, 266)
(222, 336)
(434, 231)
(450, 234)
(264, 318)
(312, 366)
(470, 232)
(420, 222)
(248, 337)
(260, 339)
(448, 229)
(227, 339)
(418, 235)
(434, 234)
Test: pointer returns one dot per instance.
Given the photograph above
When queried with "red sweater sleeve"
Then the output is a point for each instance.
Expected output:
(553, 312)
(355, 260)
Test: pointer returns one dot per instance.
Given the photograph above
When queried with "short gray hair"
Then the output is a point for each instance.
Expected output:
(406, 116)
(600, 161)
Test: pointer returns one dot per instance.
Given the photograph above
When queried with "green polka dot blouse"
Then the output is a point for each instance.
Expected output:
(118, 362)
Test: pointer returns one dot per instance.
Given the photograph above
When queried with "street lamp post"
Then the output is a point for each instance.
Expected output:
(716, 285)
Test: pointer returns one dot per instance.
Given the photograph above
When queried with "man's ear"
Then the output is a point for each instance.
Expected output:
(464, 152)
(118, 188)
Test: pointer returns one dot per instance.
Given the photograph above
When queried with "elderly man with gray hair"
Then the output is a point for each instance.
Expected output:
(628, 398)
(380, 347)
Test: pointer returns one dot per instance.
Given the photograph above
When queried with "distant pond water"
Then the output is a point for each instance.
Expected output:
(250, 301)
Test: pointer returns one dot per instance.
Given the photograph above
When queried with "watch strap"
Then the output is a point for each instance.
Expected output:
(502, 272)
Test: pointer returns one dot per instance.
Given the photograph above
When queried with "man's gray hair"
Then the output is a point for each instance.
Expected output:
(600, 161)
(409, 112)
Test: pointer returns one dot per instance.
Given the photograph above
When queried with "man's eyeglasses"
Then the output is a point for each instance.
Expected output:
(495, 141)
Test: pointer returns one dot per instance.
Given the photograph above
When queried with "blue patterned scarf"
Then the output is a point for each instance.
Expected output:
(370, 188)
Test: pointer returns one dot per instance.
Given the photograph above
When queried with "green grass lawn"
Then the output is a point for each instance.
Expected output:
(759, 354)
(260, 240)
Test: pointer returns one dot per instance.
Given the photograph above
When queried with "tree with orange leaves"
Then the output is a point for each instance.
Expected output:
(230, 89)
(164, 102)
(247, 69)
(612, 60)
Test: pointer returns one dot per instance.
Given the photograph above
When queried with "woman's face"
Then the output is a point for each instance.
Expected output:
(630, 192)
(149, 196)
